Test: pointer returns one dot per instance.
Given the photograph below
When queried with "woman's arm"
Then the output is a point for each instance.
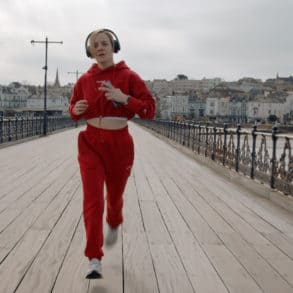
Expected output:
(141, 102)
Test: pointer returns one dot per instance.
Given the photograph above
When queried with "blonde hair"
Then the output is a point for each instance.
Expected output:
(94, 34)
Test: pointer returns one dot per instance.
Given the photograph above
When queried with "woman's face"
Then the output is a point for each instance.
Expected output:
(102, 50)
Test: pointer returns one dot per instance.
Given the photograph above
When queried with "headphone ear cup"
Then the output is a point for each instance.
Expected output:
(88, 51)
(87, 47)
(116, 46)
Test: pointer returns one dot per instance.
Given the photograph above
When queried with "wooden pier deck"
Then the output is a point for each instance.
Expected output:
(186, 229)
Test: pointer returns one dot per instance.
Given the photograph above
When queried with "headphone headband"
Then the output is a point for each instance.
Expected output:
(115, 44)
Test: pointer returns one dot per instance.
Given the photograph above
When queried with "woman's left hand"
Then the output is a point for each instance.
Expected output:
(112, 93)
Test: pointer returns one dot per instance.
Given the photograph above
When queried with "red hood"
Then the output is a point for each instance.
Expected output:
(94, 69)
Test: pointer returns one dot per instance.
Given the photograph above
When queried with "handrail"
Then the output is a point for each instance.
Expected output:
(16, 128)
(261, 155)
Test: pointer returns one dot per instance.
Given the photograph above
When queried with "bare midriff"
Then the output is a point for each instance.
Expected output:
(108, 122)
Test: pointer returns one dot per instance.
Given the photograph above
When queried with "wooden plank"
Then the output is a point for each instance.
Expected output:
(277, 259)
(200, 228)
(71, 277)
(3, 253)
(171, 275)
(132, 222)
(251, 235)
(142, 185)
(14, 164)
(26, 184)
(22, 256)
(200, 271)
(154, 225)
(210, 214)
(266, 277)
(7, 216)
(203, 277)
(254, 214)
(283, 242)
(154, 180)
(47, 188)
(256, 239)
(39, 188)
(235, 277)
(40, 168)
(20, 259)
(112, 281)
(139, 275)
(41, 275)
(10, 236)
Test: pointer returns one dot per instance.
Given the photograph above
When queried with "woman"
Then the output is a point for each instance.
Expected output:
(107, 96)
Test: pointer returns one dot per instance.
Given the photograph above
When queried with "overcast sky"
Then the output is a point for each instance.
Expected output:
(159, 39)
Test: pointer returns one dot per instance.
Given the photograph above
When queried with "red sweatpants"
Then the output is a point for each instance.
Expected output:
(105, 157)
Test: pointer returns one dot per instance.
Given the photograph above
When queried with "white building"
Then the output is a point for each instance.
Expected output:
(175, 106)
(218, 106)
(212, 106)
(160, 87)
(13, 96)
(187, 85)
(261, 109)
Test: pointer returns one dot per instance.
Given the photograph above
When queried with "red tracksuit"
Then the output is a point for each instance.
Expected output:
(106, 156)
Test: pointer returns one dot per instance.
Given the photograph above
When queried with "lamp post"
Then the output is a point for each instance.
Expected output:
(46, 42)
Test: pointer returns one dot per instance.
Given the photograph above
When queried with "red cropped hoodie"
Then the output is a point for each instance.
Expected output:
(121, 76)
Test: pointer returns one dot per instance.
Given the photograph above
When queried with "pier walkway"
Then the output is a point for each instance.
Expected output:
(186, 227)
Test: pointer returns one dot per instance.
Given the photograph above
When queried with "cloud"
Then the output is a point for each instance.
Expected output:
(208, 38)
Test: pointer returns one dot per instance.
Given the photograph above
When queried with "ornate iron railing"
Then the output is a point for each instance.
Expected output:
(258, 154)
(19, 128)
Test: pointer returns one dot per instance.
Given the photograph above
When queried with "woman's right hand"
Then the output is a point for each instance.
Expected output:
(80, 107)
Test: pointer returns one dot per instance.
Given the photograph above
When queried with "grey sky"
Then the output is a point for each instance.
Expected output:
(229, 39)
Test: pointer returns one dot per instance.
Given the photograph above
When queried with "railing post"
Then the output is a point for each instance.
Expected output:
(199, 138)
(182, 133)
(206, 142)
(21, 126)
(188, 137)
(253, 153)
(214, 143)
(27, 127)
(16, 128)
(193, 136)
(9, 128)
(182, 129)
(225, 144)
(238, 148)
(1, 129)
(178, 131)
(274, 161)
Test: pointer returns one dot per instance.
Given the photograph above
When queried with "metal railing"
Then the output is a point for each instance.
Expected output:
(265, 156)
(12, 129)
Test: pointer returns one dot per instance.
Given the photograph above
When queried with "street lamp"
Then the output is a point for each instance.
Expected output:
(46, 42)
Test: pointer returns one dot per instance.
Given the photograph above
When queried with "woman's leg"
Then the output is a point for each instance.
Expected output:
(93, 177)
(118, 170)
